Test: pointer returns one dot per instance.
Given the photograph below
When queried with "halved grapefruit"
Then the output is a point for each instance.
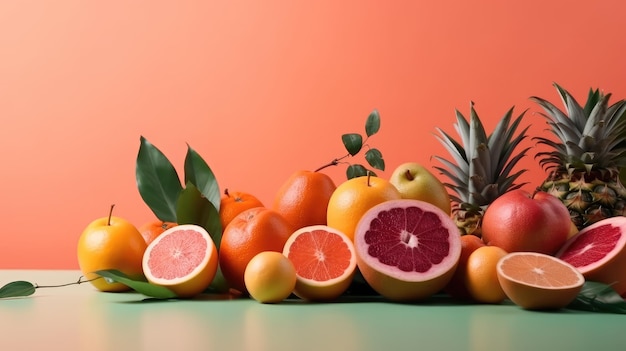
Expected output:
(407, 249)
(324, 259)
(183, 259)
(538, 281)
(599, 252)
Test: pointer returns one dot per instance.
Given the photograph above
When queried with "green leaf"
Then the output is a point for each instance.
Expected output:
(598, 297)
(194, 208)
(355, 171)
(372, 125)
(17, 289)
(375, 159)
(140, 286)
(353, 143)
(157, 181)
(198, 172)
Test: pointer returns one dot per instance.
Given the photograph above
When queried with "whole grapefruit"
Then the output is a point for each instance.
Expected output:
(520, 221)
(303, 198)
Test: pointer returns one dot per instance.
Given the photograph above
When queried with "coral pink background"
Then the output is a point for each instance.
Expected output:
(260, 89)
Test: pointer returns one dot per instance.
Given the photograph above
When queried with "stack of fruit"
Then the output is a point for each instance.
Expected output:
(405, 236)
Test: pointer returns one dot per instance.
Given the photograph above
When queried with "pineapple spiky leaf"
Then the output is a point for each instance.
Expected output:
(481, 166)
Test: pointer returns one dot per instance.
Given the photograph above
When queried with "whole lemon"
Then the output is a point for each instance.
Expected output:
(270, 277)
(110, 243)
(353, 198)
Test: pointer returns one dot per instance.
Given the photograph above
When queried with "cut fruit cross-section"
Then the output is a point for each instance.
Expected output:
(324, 259)
(407, 249)
(538, 281)
(599, 252)
(183, 259)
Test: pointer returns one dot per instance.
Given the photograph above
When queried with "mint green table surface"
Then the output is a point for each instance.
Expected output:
(80, 318)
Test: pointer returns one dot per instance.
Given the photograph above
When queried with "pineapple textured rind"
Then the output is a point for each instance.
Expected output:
(584, 161)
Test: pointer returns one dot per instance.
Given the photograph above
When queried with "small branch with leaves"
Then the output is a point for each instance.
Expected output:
(354, 143)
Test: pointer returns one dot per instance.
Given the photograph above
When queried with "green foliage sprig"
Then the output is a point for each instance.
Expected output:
(354, 142)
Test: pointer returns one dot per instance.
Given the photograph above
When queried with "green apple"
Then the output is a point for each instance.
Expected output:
(414, 181)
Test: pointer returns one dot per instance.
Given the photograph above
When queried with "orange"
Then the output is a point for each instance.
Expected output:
(303, 198)
(110, 243)
(151, 230)
(325, 262)
(353, 198)
(456, 287)
(539, 281)
(270, 277)
(481, 278)
(252, 231)
(235, 202)
(182, 259)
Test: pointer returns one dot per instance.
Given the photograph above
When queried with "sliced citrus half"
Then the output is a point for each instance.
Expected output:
(183, 259)
(599, 252)
(324, 259)
(538, 281)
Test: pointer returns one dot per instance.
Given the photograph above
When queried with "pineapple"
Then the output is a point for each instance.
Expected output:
(482, 166)
(584, 162)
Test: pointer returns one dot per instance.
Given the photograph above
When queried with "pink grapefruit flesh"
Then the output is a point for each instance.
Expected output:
(183, 259)
(599, 252)
(407, 249)
(325, 262)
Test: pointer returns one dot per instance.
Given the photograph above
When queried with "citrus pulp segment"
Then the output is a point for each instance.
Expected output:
(538, 281)
(407, 249)
(183, 259)
(325, 262)
(599, 252)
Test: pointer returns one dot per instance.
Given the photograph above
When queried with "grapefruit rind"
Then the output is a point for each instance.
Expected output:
(198, 279)
(537, 296)
(610, 269)
(315, 290)
(391, 282)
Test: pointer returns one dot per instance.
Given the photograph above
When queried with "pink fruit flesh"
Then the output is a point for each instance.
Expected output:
(592, 246)
(410, 239)
(599, 252)
(407, 250)
(178, 254)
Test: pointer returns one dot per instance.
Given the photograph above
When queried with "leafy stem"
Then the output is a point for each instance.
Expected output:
(354, 142)
(22, 288)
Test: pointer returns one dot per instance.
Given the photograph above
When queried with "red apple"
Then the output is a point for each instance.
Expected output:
(519, 221)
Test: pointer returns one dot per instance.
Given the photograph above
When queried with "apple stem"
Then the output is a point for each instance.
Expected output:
(408, 175)
(226, 192)
(110, 214)
(369, 175)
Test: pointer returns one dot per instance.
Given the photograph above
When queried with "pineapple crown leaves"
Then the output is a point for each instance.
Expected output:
(587, 136)
(482, 164)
